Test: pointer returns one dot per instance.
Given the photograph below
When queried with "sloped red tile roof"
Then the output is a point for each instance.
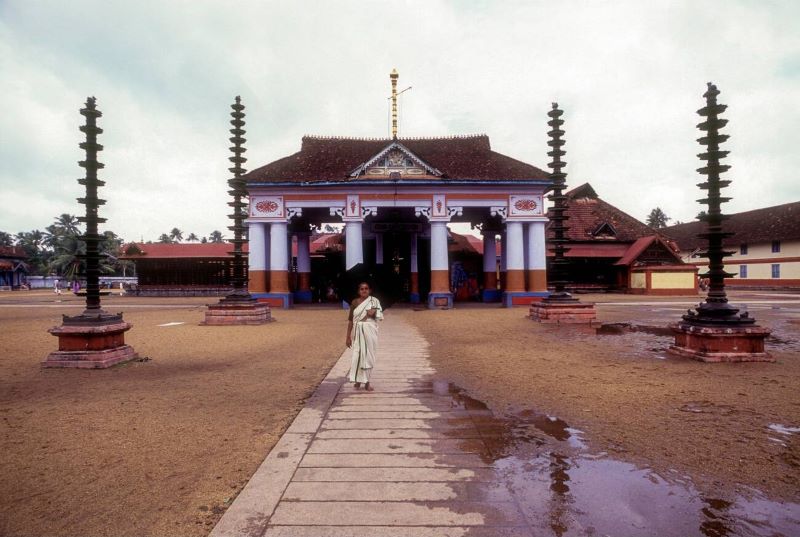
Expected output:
(641, 245)
(159, 250)
(778, 223)
(13, 251)
(587, 213)
(334, 158)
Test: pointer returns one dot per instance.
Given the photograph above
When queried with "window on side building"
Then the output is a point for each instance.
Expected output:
(776, 271)
(743, 249)
(743, 271)
(776, 246)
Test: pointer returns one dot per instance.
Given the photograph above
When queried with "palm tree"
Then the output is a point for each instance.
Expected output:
(176, 234)
(192, 238)
(33, 243)
(67, 222)
(6, 239)
(66, 259)
(216, 236)
(657, 218)
(165, 239)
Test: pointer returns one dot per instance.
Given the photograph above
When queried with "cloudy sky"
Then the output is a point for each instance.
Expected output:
(629, 75)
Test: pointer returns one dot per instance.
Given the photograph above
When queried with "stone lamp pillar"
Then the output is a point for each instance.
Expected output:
(560, 306)
(95, 339)
(715, 331)
(238, 307)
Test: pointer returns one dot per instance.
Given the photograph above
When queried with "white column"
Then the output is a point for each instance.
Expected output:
(489, 252)
(257, 255)
(279, 257)
(413, 261)
(378, 248)
(439, 246)
(303, 252)
(354, 247)
(515, 258)
(503, 251)
(537, 250)
(525, 234)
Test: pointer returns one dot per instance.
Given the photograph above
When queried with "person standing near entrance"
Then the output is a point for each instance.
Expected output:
(362, 335)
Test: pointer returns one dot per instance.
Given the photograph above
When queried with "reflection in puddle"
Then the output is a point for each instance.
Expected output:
(565, 491)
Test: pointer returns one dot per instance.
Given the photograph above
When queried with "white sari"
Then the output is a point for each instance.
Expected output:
(365, 339)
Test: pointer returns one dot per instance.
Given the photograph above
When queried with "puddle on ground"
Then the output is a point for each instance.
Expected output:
(565, 491)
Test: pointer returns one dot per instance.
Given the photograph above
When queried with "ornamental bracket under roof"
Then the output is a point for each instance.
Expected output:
(395, 161)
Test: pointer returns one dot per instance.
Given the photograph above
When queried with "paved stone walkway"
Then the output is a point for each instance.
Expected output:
(404, 460)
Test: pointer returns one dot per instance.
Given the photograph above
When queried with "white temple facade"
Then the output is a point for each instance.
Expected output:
(395, 198)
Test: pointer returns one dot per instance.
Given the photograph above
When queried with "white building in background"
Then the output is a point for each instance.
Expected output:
(765, 246)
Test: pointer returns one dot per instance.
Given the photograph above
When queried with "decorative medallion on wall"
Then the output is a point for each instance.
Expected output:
(525, 205)
(353, 207)
(439, 206)
(267, 207)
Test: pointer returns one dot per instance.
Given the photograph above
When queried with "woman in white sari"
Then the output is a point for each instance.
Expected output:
(362, 335)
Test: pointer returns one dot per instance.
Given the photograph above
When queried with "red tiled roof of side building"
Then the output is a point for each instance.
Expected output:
(13, 251)
(158, 250)
(334, 158)
(778, 223)
(587, 214)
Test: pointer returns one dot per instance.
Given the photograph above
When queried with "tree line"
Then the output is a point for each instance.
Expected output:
(176, 235)
(58, 249)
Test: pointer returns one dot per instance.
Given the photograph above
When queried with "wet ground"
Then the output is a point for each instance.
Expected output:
(564, 489)
(420, 457)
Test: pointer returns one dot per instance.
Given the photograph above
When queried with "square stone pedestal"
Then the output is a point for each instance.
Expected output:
(440, 300)
(90, 346)
(227, 314)
(720, 343)
(563, 312)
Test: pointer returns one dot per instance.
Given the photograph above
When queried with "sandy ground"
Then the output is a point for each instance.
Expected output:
(709, 421)
(151, 448)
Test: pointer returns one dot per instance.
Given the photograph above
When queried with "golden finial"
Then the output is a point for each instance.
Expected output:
(393, 77)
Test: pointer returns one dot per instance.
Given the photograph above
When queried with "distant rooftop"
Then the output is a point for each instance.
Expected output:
(778, 223)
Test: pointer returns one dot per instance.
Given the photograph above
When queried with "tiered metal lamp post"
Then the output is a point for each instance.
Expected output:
(238, 307)
(715, 331)
(560, 306)
(95, 338)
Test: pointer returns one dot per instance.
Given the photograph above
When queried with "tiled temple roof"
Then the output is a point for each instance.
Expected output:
(778, 223)
(592, 219)
(16, 252)
(466, 158)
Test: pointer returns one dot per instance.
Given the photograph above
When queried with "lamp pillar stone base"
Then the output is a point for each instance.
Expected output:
(249, 312)
(91, 346)
(720, 343)
(570, 311)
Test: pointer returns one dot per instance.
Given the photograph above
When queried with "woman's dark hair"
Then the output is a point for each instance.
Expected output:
(364, 283)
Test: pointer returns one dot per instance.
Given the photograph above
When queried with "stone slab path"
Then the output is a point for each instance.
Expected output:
(404, 460)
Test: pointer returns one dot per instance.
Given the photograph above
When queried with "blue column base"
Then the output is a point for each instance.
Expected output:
(302, 297)
(414, 298)
(522, 298)
(275, 300)
(492, 295)
(440, 301)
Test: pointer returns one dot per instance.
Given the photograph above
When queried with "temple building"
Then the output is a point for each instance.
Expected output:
(395, 198)
(13, 267)
(610, 250)
(765, 247)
